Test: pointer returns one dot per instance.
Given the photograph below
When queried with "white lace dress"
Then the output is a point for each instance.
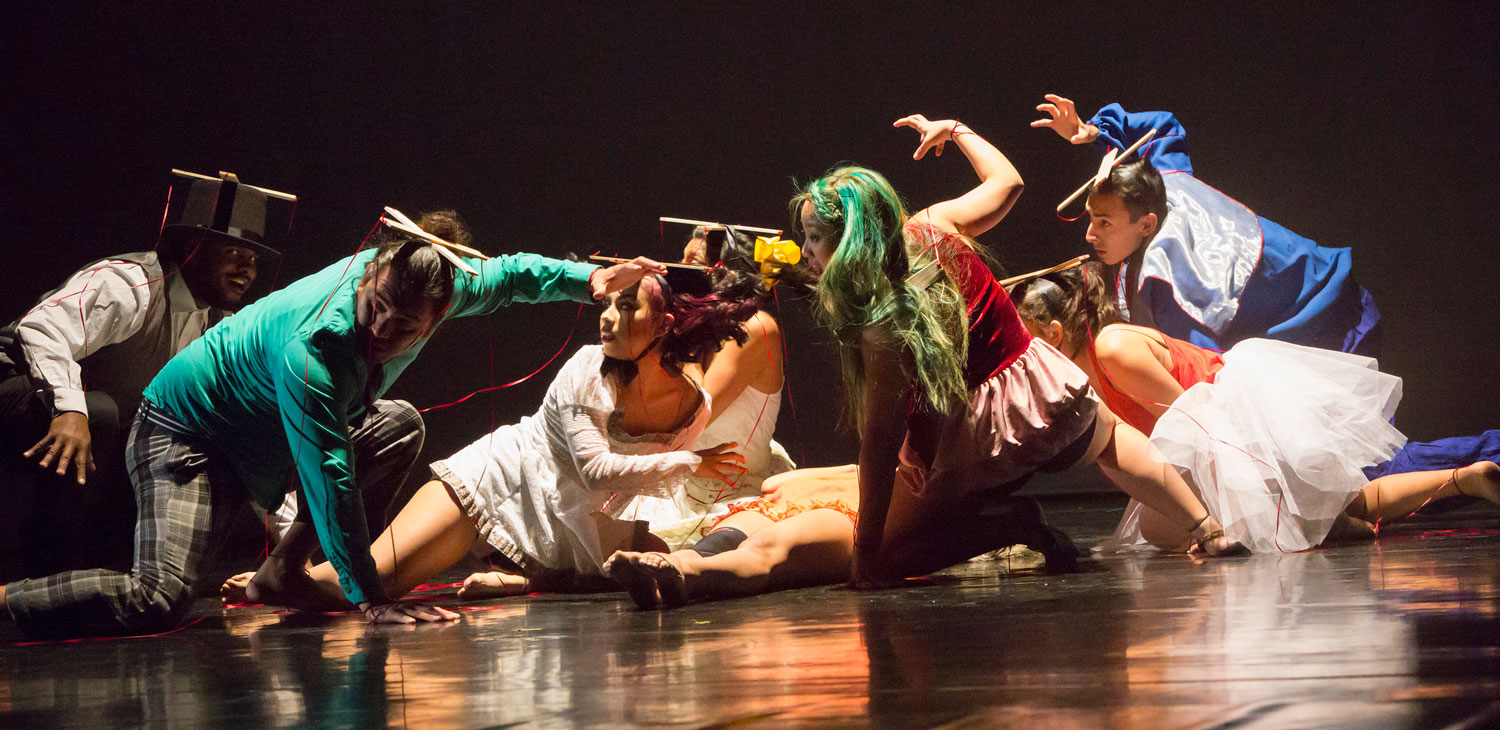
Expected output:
(549, 492)
(682, 518)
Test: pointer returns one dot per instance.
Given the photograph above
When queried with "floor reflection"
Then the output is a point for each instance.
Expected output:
(1400, 633)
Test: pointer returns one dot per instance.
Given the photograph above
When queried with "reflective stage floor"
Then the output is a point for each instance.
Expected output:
(1399, 633)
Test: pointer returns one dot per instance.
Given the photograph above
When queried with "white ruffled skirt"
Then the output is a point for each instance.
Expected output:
(1275, 445)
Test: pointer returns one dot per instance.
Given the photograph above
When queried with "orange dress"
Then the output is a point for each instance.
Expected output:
(1191, 365)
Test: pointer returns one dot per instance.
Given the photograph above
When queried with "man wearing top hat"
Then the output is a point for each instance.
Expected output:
(73, 367)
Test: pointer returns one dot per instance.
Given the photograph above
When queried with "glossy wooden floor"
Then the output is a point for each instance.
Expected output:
(1402, 633)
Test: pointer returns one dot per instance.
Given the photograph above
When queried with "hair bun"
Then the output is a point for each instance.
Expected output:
(446, 224)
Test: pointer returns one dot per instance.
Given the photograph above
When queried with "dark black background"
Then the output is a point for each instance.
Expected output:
(556, 127)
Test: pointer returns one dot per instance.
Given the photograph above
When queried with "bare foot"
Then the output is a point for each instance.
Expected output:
(669, 581)
(278, 583)
(494, 584)
(235, 589)
(1480, 479)
(1347, 528)
(626, 569)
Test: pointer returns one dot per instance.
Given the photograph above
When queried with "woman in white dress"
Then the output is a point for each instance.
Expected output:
(1273, 437)
(548, 493)
(744, 382)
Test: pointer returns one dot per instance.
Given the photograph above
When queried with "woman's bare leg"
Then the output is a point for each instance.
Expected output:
(1129, 460)
(1162, 533)
(1395, 496)
(431, 533)
(812, 548)
(1138, 469)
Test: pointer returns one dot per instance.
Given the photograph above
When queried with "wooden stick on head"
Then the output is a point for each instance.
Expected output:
(227, 175)
(714, 226)
(1071, 263)
(401, 223)
(1108, 164)
(618, 260)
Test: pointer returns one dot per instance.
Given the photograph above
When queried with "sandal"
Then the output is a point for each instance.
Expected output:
(1231, 550)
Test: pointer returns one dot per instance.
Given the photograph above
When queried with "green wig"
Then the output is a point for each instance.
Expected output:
(865, 285)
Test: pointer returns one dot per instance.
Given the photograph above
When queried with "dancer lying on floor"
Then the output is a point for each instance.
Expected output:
(956, 404)
(1271, 435)
(546, 493)
(800, 534)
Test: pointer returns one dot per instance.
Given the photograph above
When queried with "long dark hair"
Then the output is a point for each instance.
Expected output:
(704, 321)
(706, 313)
(1077, 298)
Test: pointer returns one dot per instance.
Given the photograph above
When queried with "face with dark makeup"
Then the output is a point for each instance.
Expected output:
(629, 323)
(386, 327)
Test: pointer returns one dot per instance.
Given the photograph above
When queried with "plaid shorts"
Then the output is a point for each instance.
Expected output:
(186, 500)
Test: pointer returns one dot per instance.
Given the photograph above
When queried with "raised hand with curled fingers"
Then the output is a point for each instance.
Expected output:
(934, 134)
(1063, 119)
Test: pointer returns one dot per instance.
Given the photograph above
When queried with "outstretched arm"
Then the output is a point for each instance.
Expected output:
(1000, 184)
(530, 278)
(314, 385)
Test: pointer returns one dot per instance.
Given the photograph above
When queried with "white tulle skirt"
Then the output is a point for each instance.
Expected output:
(1275, 445)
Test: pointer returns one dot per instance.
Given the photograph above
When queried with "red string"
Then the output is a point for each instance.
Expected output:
(518, 381)
(796, 424)
(84, 639)
(1110, 382)
(163, 227)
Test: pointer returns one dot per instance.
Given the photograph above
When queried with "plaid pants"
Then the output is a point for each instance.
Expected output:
(186, 501)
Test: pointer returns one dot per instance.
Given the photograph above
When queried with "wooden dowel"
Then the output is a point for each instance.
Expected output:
(617, 260)
(1074, 262)
(404, 225)
(269, 192)
(1095, 178)
(712, 225)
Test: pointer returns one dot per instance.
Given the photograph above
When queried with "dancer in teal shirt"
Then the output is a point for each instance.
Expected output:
(275, 388)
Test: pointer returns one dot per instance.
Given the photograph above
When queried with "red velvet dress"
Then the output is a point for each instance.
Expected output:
(1027, 402)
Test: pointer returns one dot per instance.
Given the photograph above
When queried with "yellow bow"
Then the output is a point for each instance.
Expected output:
(772, 253)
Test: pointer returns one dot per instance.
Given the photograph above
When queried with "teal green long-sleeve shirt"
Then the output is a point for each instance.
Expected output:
(281, 384)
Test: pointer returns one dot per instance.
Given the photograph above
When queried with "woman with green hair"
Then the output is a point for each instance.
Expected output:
(956, 404)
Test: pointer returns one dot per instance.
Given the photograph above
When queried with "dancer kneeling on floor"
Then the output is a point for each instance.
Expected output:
(546, 493)
(1271, 435)
(956, 403)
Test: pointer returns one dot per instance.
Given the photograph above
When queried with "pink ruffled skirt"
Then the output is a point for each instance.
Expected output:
(1016, 422)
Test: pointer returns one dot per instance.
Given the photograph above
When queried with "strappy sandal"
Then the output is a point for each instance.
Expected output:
(1232, 550)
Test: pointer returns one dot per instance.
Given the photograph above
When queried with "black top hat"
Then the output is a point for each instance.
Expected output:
(227, 209)
(683, 280)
